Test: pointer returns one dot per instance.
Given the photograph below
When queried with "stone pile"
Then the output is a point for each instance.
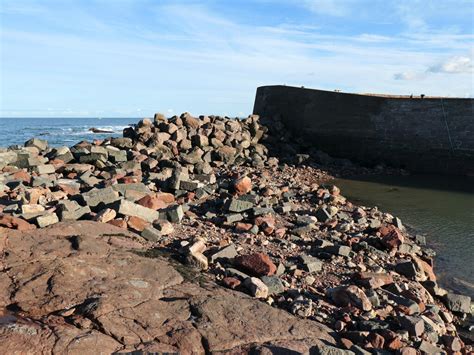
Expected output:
(206, 190)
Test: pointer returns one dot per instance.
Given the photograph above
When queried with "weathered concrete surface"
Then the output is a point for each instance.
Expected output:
(82, 287)
(424, 135)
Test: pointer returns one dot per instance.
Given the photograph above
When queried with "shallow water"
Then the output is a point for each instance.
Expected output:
(59, 131)
(440, 207)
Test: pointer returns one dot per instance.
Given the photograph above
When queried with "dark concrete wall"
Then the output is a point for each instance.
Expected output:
(422, 135)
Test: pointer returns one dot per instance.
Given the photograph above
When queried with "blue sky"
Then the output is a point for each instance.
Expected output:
(131, 58)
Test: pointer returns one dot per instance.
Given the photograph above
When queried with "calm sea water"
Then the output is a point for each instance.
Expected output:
(59, 131)
(440, 207)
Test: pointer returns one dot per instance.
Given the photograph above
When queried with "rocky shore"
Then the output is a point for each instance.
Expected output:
(199, 235)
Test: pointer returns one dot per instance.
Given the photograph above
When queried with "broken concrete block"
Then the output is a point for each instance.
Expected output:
(47, 220)
(95, 197)
(128, 208)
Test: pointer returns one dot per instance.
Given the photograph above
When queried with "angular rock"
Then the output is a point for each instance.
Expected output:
(104, 196)
(34, 208)
(257, 264)
(350, 295)
(242, 185)
(137, 224)
(256, 287)
(274, 284)
(392, 238)
(45, 169)
(322, 215)
(311, 263)
(105, 215)
(152, 201)
(165, 227)
(151, 234)
(414, 325)
(47, 220)
(228, 252)
(71, 211)
(235, 205)
(128, 208)
(175, 213)
(41, 144)
(458, 303)
(373, 280)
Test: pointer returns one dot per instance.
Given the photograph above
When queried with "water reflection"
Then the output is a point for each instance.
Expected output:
(442, 207)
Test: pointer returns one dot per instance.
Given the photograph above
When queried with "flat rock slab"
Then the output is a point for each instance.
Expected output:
(83, 286)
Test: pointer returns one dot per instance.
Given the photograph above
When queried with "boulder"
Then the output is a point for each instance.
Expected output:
(257, 264)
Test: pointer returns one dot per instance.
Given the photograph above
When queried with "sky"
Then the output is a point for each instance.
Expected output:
(132, 58)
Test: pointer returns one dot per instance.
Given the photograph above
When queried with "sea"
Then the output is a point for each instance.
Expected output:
(59, 131)
(440, 207)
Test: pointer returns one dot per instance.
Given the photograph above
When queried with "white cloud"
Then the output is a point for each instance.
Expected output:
(206, 62)
(453, 65)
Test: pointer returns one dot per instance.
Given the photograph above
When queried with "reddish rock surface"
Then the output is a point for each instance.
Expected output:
(257, 264)
(8, 221)
(373, 280)
(243, 185)
(87, 286)
(392, 237)
(153, 202)
(137, 224)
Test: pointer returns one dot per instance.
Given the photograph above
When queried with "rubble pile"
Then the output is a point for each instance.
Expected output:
(208, 192)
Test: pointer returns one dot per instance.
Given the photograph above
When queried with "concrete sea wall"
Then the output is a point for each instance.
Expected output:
(432, 135)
